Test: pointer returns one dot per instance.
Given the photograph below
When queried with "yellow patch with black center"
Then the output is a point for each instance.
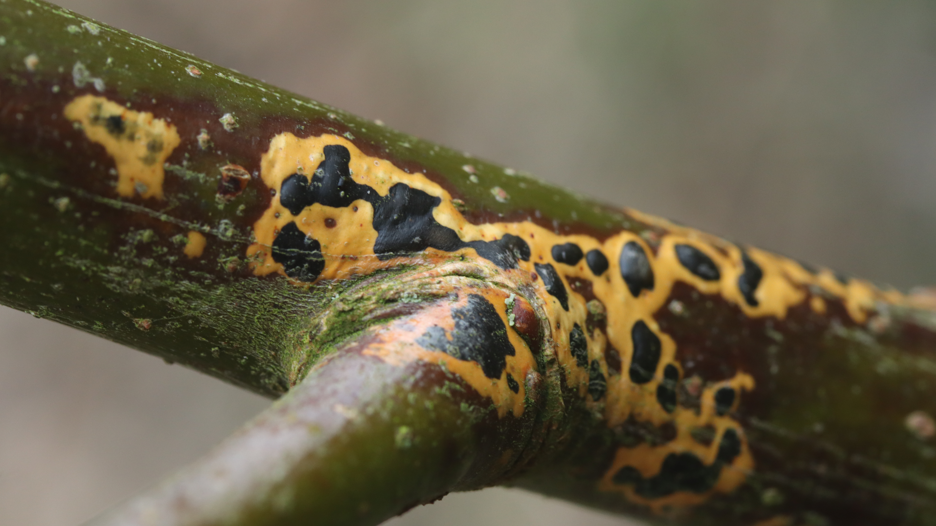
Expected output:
(470, 337)
(138, 142)
(338, 213)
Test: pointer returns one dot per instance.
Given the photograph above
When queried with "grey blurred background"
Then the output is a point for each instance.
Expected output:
(804, 126)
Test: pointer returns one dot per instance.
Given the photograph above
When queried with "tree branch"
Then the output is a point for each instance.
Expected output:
(440, 323)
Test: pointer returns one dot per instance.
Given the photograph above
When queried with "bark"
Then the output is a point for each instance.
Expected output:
(356, 442)
(437, 323)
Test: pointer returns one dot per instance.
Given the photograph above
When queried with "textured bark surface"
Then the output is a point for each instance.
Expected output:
(464, 326)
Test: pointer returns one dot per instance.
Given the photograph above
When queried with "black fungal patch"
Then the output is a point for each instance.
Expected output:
(479, 336)
(597, 262)
(553, 283)
(597, 385)
(724, 400)
(697, 262)
(666, 391)
(682, 471)
(568, 253)
(635, 268)
(503, 252)
(646, 353)
(512, 384)
(578, 345)
(403, 218)
(300, 255)
(750, 279)
(729, 448)
(115, 125)
(154, 146)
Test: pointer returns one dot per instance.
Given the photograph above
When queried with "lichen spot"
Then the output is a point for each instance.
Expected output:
(229, 121)
(138, 142)
(61, 204)
(195, 245)
(204, 140)
(500, 194)
(31, 62)
(921, 425)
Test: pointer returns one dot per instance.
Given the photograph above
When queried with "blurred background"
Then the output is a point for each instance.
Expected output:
(805, 126)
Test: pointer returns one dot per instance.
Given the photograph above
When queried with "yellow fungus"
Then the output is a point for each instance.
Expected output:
(196, 244)
(138, 142)
(772, 286)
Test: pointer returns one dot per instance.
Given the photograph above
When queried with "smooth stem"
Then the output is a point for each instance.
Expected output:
(346, 446)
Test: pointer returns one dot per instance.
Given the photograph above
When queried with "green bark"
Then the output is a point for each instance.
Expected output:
(357, 442)
(356, 439)
(93, 241)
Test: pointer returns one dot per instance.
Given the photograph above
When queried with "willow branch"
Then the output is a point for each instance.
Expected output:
(358, 441)
(439, 323)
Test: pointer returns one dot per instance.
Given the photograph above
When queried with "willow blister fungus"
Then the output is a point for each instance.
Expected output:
(434, 322)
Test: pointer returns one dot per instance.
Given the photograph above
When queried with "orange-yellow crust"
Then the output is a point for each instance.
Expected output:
(195, 244)
(648, 458)
(347, 238)
(138, 142)
(818, 305)
(859, 296)
(394, 344)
